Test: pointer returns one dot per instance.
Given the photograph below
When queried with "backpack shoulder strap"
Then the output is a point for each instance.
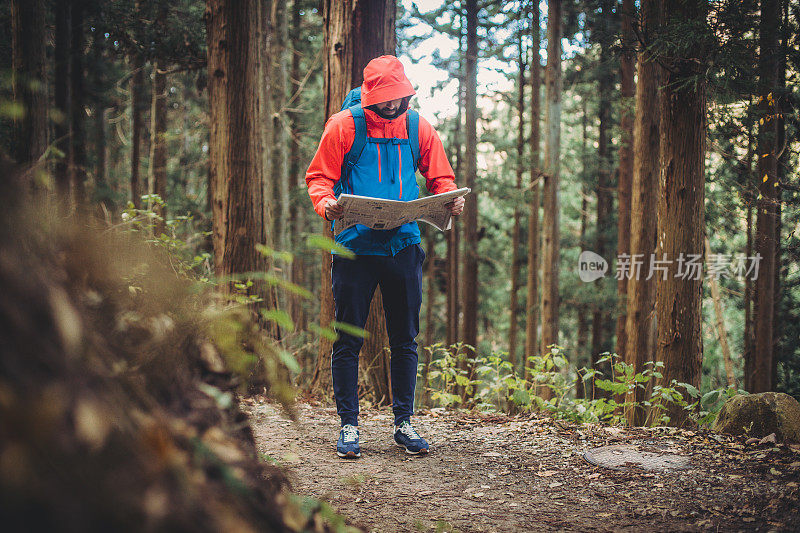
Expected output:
(412, 123)
(359, 141)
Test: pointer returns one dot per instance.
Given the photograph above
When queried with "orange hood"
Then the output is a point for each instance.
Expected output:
(384, 80)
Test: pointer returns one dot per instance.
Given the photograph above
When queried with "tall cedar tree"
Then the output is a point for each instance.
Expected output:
(138, 104)
(513, 307)
(236, 175)
(454, 236)
(296, 184)
(600, 316)
(28, 81)
(552, 145)
(680, 209)
(471, 280)
(759, 367)
(157, 182)
(348, 46)
(279, 167)
(624, 176)
(640, 317)
(77, 96)
(61, 99)
(534, 236)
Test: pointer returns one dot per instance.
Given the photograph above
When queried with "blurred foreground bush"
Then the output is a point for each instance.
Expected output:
(118, 386)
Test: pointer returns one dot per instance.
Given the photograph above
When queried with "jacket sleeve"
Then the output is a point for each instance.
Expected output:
(326, 167)
(433, 163)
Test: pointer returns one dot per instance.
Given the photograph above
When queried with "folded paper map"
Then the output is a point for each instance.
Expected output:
(377, 213)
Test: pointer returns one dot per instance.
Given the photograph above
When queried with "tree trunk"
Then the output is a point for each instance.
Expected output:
(454, 235)
(722, 334)
(236, 165)
(61, 101)
(158, 144)
(296, 218)
(534, 236)
(29, 82)
(640, 316)
(348, 54)
(680, 217)
(552, 146)
(102, 191)
(519, 193)
(137, 124)
(625, 174)
(600, 316)
(583, 309)
(280, 139)
(748, 282)
(430, 270)
(470, 326)
(781, 165)
(77, 111)
(758, 369)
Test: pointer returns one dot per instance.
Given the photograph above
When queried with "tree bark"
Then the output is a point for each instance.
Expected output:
(102, 191)
(296, 190)
(680, 216)
(470, 325)
(722, 333)
(758, 369)
(61, 101)
(236, 165)
(583, 308)
(137, 124)
(347, 55)
(625, 174)
(640, 315)
(157, 183)
(77, 110)
(29, 83)
(519, 193)
(748, 282)
(534, 235)
(430, 271)
(552, 145)
(454, 235)
(280, 138)
(600, 316)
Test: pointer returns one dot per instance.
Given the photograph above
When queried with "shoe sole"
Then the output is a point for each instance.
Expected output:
(349, 455)
(423, 451)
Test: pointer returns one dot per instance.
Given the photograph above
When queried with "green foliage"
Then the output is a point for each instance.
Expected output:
(500, 387)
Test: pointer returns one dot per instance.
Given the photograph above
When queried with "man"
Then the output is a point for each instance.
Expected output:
(385, 168)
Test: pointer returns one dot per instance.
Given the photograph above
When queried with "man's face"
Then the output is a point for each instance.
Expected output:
(390, 108)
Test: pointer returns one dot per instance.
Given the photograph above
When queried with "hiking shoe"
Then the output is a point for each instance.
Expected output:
(347, 446)
(407, 437)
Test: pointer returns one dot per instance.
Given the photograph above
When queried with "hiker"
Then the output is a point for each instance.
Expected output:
(374, 148)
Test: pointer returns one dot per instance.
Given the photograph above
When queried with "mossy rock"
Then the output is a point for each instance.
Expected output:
(758, 415)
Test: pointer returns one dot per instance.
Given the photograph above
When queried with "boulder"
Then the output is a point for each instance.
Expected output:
(758, 415)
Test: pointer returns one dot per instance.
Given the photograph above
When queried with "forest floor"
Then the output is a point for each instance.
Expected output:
(490, 472)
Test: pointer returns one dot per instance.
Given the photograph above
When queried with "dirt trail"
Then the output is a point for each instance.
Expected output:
(495, 473)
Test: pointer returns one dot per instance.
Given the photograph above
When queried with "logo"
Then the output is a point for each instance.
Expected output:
(591, 266)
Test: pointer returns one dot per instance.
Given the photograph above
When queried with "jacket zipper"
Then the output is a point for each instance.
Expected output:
(400, 171)
(379, 162)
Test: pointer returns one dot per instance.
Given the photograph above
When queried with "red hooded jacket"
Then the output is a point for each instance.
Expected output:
(384, 80)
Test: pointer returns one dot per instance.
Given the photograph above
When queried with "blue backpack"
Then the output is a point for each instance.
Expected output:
(353, 102)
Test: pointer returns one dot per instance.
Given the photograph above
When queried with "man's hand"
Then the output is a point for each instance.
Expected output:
(333, 210)
(456, 206)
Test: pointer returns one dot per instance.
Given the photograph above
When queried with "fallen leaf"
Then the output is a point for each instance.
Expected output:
(491, 454)
(555, 484)
(769, 439)
(547, 473)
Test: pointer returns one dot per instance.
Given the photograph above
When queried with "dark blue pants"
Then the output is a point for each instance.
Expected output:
(354, 282)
